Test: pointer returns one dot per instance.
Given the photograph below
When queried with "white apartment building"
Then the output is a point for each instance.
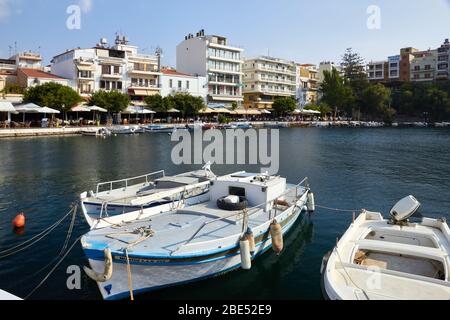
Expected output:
(266, 78)
(423, 66)
(173, 82)
(9, 67)
(376, 71)
(119, 67)
(212, 57)
(443, 61)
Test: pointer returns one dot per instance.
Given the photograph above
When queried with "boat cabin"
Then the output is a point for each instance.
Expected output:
(256, 189)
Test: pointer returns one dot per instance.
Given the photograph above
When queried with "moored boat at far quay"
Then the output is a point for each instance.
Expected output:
(246, 215)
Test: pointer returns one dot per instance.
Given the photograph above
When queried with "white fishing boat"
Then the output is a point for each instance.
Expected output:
(379, 259)
(154, 128)
(141, 197)
(96, 132)
(125, 130)
(246, 215)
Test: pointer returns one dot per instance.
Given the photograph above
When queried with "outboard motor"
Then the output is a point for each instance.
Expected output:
(404, 209)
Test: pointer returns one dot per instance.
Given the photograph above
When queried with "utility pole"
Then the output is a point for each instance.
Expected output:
(159, 53)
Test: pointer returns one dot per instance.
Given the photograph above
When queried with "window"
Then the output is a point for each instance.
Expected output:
(171, 83)
(116, 69)
(427, 67)
(187, 85)
(179, 85)
(417, 68)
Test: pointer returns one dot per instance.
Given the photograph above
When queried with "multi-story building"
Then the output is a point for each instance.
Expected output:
(443, 61)
(423, 66)
(119, 67)
(377, 71)
(327, 66)
(213, 57)
(12, 71)
(308, 84)
(393, 70)
(173, 82)
(266, 78)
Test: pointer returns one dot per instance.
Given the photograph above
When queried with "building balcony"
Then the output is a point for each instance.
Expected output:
(224, 46)
(225, 97)
(224, 71)
(116, 76)
(144, 72)
(149, 87)
(227, 84)
(226, 59)
(274, 80)
(276, 70)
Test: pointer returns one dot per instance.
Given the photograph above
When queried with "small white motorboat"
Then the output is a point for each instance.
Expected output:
(394, 259)
(141, 197)
(246, 215)
(123, 130)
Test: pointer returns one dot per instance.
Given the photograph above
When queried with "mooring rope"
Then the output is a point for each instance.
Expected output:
(53, 269)
(32, 241)
(337, 209)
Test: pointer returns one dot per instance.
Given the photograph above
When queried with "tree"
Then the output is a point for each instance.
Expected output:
(155, 103)
(323, 108)
(188, 104)
(353, 67)
(113, 101)
(52, 95)
(12, 88)
(284, 105)
(375, 100)
(234, 106)
(337, 94)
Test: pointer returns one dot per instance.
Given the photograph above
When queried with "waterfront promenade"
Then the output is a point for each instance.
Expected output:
(62, 131)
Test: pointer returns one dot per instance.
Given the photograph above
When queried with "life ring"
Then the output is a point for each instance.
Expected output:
(241, 205)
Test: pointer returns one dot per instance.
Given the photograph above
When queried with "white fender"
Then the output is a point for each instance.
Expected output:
(246, 260)
(107, 274)
(311, 204)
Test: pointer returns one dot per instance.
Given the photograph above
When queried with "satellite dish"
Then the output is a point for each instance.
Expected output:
(404, 209)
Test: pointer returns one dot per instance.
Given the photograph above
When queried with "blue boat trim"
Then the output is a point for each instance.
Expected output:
(126, 294)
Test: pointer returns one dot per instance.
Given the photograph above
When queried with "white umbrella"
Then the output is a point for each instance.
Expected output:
(48, 110)
(80, 108)
(6, 106)
(266, 111)
(96, 108)
(28, 108)
(310, 112)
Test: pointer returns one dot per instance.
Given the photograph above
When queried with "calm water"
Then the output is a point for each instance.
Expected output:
(348, 168)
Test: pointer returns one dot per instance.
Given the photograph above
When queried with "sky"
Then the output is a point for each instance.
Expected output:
(303, 31)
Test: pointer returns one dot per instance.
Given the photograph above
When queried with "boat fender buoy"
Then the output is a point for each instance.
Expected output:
(107, 273)
(19, 221)
(311, 204)
(246, 261)
(250, 237)
(276, 233)
(282, 202)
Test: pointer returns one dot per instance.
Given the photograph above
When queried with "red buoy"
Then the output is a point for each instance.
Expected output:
(19, 221)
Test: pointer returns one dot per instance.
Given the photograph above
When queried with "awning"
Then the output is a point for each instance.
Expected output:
(206, 111)
(86, 68)
(6, 106)
(310, 112)
(142, 92)
(248, 112)
(221, 110)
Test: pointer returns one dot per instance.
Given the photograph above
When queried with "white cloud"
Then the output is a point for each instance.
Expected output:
(5, 9)
(86, 5)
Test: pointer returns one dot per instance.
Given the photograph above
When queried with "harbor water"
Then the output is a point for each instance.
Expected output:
(348, 169)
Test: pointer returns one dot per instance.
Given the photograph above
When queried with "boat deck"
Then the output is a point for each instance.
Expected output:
(378, 260)
(174, 229)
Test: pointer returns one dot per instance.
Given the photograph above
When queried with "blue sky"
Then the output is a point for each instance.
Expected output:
(304, 31)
